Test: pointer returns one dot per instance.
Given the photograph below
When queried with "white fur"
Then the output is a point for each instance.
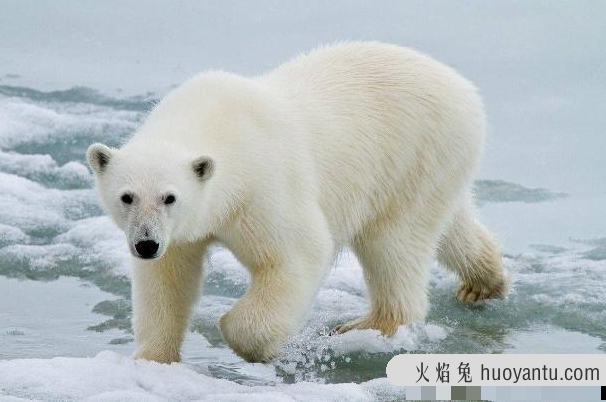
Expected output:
(362, 144)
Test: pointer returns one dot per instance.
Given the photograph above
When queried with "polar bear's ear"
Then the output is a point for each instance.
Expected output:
(98, 156)
(203, 167)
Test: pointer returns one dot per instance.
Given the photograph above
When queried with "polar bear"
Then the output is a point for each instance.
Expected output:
(360, 144)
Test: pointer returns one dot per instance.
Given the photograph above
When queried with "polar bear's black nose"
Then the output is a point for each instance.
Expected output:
(147, 248)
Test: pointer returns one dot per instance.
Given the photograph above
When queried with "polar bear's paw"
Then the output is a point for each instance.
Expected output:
(250, 339)
(166, 356)
(387, 326)
(478, 291)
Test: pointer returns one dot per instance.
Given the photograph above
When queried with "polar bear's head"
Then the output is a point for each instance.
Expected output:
(150, 193)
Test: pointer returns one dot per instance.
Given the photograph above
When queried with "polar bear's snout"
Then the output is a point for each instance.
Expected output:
(147, 234)
(147, 248)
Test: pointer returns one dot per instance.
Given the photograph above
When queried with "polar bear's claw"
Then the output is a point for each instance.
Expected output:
(387, 327)
(481, 291)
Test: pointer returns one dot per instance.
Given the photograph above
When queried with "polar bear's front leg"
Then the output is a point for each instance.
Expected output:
(163, 292)
(271, 310)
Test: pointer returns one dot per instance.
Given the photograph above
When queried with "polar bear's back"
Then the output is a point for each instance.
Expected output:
(384, 123)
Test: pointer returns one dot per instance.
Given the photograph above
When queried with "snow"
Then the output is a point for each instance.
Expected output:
(24, 122)
(111, 377)
(45, 168)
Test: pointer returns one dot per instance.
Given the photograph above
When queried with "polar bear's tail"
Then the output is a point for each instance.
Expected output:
(468, 249)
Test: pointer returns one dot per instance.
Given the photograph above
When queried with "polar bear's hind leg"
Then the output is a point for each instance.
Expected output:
(469, 250)
(395, 255)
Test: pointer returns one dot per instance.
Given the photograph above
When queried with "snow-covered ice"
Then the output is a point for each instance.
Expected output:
(111, 377)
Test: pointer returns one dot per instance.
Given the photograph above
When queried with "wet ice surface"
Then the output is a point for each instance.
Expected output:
(64, 289)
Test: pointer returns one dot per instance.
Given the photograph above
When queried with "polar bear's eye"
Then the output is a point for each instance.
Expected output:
(127, 199)
(169, 199)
